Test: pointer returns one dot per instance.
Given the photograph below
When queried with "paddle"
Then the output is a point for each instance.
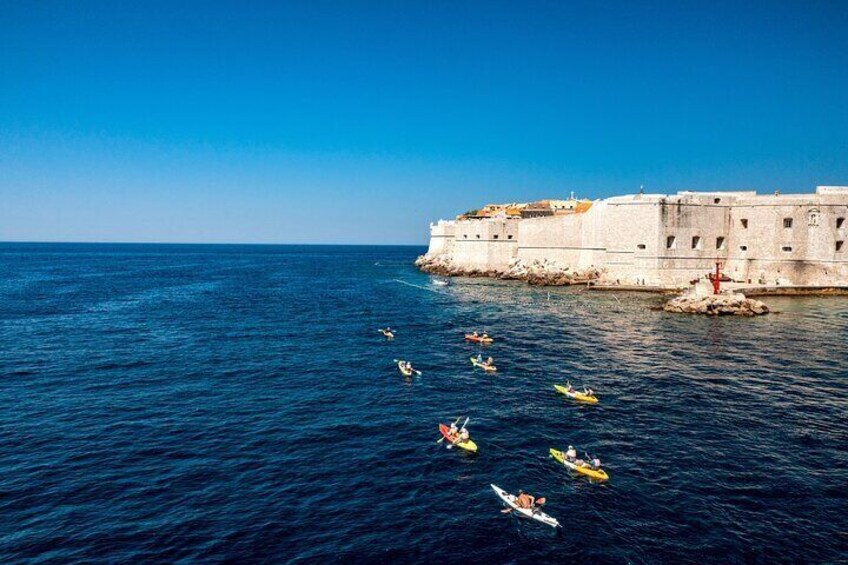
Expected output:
(443, 437)
(462, 428)
(413, 370)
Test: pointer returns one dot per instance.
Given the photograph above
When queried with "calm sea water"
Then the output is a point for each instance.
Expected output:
(236, 403)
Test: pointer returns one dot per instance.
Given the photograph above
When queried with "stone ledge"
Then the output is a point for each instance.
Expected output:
(733, 304)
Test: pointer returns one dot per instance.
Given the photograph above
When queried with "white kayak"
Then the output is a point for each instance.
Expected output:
(537, 515)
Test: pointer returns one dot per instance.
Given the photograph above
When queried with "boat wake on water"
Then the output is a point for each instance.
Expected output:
(417, 286)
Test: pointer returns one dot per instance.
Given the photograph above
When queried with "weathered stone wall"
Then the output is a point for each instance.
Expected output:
(666, 241)
(485, 244)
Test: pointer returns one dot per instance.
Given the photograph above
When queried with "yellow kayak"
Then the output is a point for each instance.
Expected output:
(578, 396)
(487, 368)
(598, 474)
(466, 445)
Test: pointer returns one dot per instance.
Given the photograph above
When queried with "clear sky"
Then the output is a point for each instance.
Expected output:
(360, 122)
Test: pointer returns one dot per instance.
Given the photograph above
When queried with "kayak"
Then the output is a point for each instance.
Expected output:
(402, 368)
(466, 445)
(537, 515)
(387, 334)
(487, 368)
(598, 474)
(578, 396)
(478, 339)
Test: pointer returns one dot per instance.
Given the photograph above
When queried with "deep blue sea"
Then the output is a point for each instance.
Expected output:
(202, 404)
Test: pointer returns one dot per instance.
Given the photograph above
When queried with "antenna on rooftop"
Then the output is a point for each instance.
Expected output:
(572, 195)
(641, 189)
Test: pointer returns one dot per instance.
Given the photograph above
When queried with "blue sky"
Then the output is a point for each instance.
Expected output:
(360, 122)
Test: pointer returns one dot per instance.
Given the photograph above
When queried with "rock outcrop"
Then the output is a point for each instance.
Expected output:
(542, 273)
(731, 304)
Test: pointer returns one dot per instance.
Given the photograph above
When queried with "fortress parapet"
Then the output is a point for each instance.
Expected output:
(666, 240)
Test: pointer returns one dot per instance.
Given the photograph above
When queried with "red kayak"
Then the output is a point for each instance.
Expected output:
(466, 445)
(478, 338)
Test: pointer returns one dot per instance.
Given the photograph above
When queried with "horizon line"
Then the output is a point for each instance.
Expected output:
(52, 242)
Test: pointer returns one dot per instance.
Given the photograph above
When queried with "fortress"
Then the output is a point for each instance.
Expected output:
(661, 241)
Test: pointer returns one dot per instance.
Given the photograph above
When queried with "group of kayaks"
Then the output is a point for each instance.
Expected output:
(459, 437)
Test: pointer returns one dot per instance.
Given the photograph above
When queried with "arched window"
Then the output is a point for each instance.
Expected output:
(814, 217)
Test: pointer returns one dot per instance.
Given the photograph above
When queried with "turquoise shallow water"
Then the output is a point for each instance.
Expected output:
(236, 403)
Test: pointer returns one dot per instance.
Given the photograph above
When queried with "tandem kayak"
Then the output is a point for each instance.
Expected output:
(598, 474)
(466, 445)
(487, 368)
(478, 338)
(578, 396)
(533, 514)
(402, 368)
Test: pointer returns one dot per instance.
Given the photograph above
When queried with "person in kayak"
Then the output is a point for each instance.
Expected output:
(588, 391)
(474, 335)
(463, 436)
(489, 362)
(571, 454)
(596, 463)
(453, 430)
(524, 500)
(568, 387)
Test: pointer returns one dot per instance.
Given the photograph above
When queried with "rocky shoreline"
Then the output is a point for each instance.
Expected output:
(541, 273)
(730, 304)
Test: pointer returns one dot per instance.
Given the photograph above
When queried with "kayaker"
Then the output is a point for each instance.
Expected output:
(474, 335)
(596, 463)
(453, 430)
(463, 435)
(489, 361)
(571, 454)
(485, 336)
(568, 387)
(588, 391)
(524, 500)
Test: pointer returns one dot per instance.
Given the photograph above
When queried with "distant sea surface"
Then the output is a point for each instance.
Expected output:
(180, 403)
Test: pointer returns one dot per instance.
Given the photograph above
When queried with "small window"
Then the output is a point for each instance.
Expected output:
(839, 245)
(787, 222)
(840, 222)
(478, 236)
(670, 242)
(744, 223)
(743, 248)
(465, 236)
(786, 249)
(814, 218)
(509, 237)
(495, 236)
(717, 201)
(696, 242)
(641, 246)
(719, 243)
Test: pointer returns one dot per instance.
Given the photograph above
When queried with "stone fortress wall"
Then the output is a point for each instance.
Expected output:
(667, 241)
